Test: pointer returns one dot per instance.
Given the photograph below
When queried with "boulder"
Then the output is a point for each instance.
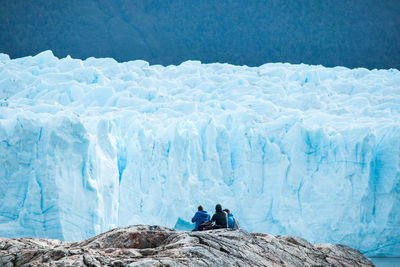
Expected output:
(143, 245)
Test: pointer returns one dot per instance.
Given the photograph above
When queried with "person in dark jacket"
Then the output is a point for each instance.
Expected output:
(220, 218)
(200, 217)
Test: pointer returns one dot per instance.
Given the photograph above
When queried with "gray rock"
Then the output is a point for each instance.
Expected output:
(143, 245)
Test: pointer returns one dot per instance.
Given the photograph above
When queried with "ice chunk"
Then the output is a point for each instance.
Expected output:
(4, 57)
(183, 225)
(45, 58)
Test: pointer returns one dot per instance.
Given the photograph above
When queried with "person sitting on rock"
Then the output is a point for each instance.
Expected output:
(232, 222)
(220, 218)
(200, 217)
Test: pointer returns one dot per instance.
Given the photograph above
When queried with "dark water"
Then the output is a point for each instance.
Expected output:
(386, 262)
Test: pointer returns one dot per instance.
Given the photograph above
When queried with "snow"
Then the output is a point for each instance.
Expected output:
(89, 145)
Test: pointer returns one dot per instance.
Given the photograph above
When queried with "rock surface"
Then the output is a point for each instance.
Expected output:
(159, 246)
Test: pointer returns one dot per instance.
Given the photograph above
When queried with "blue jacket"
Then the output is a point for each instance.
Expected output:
(231, 221)
(200, 217)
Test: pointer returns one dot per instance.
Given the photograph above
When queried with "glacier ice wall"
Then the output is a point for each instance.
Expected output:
(290, 149)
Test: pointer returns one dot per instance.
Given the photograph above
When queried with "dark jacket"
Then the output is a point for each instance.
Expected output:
(220, 218)
(200, 217)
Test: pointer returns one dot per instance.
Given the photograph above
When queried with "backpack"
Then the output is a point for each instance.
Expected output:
(235, 224)
(207, 225)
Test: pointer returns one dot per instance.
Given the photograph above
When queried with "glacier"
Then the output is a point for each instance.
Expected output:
(88, 145)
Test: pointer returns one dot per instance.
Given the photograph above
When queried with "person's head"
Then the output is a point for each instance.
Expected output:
(200, 208)
(218, 207)
(227, 211)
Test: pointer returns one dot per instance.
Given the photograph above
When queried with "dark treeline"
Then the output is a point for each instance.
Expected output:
(356, 33)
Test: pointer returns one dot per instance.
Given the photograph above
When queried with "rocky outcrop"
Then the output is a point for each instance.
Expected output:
(159, 246)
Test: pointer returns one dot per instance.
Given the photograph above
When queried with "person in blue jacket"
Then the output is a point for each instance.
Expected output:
(200, 217)
(232, 222)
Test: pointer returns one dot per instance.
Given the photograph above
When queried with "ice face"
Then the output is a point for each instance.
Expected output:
(290, 149)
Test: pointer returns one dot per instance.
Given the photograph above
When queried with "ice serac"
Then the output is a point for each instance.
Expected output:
(291, 149)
